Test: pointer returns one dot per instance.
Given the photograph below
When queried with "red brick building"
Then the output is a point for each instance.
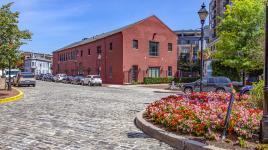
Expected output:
(147, 48)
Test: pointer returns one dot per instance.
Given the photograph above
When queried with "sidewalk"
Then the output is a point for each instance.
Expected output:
(157, 88)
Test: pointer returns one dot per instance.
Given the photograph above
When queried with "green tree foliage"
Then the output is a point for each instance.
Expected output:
(241, 36)
(221, 70)
(11, 37)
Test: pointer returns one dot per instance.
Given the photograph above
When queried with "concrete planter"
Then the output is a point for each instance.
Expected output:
(176, 141)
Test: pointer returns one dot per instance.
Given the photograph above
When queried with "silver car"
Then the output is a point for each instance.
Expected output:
(92, 80)
(59, 77)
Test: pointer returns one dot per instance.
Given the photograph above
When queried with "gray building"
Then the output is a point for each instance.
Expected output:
(216, 9)
(37, 63)
(189, 45)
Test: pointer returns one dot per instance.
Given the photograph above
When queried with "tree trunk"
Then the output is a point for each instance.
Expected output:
(244, 78)
(9, 76)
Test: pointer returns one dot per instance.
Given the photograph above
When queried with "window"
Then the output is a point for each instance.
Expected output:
(154, 72)
(81, 53)
(98, 49)
(135, 44)
(33, 64)
(111, 72)
(111, 46)
(88, 52)
(170, 71)
(223, 80)
(153, 48)
(211, 80)
(169, 46)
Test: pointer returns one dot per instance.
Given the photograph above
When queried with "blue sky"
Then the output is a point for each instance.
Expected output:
(56, 23)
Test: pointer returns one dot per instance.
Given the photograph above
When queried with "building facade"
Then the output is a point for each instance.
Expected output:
(189, 45)
(147, 48)
(37, 63)
(216, 9)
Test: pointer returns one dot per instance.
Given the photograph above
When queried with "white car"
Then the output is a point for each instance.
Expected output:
(92, 80)
(59, 77)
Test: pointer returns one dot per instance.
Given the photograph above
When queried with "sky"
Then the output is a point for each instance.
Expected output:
(57, 23)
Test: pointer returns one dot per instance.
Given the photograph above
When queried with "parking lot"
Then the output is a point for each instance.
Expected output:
(65, 116)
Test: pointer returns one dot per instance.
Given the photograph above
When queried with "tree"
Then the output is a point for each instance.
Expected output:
(241, 36)
(11, 38)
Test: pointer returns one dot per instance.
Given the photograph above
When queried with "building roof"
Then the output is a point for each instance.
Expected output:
(103, 35)
(97, 37)
(28, 52)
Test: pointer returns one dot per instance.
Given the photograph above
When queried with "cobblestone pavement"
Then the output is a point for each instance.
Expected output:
(60, 116)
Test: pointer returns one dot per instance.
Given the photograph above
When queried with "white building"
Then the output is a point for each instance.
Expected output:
(37, 63)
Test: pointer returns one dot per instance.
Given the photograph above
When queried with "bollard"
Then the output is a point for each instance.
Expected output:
(228, 115)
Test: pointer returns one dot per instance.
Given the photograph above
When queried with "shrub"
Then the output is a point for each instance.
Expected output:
(150, 80)
(257, 94)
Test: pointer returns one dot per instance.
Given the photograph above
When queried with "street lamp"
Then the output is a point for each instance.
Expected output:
(264, 121)
(203, 13)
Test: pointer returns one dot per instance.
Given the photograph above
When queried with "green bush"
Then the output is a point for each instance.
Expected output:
(150, 80)
(257, 94)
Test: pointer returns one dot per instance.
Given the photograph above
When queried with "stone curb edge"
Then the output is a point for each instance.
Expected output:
(176, 141)
(13, 98)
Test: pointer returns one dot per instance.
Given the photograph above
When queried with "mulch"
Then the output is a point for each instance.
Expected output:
(6, 94)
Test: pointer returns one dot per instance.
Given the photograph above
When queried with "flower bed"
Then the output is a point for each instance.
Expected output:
(203, 114)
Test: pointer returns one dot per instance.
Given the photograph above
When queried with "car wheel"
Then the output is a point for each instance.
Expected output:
(188, 90)
(33, 85)
(220, 90)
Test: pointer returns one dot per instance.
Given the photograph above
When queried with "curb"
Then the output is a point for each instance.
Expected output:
(176, 141)
(13, 98)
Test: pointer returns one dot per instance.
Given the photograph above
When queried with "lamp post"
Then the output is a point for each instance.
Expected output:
(203, 13)
(264, 121)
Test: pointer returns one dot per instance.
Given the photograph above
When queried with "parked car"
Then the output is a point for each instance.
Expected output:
(39, 77)
(68, 79)
(246, 89)
(25, 79)
(93, 80)
(78, 80)
(59, 77)
(237, 84)
(214, 84)
(48, 77)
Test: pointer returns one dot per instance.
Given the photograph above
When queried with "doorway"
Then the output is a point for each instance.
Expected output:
(134, 73)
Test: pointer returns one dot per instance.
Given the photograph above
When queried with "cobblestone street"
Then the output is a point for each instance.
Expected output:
(61, 116)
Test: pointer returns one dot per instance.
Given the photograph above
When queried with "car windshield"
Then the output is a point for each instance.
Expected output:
(96, 76)
(27, 75)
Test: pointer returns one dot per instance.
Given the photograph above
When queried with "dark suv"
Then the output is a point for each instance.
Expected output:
(210, 84)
